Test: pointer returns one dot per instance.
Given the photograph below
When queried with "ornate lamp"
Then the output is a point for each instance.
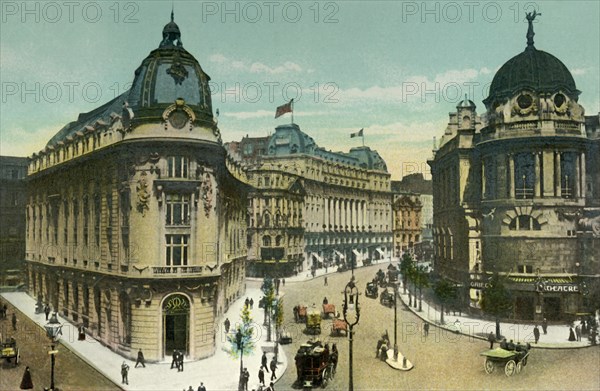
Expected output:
(53, 330)
(351, 316)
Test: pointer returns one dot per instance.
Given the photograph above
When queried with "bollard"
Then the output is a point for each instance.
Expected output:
(403, 362)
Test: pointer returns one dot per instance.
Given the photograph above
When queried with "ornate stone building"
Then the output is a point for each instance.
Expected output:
(13, 171)
(407, 222)
(311, 207)
(511, 191)
(136, 226)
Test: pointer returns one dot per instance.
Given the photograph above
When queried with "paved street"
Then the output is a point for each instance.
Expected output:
(71, 373)
(443, 361)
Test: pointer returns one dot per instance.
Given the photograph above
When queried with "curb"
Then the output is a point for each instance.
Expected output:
(535, 346)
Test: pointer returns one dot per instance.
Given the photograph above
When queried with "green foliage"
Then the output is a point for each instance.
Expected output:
(407, 266)
(247, 331)
(445, 291)
(421, 277)
(279, 314)
(496, 300)
(268, 290)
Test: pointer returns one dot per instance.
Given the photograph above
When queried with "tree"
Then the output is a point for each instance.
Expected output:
(278, 323)
(445, 292)
(245, 329)
(268, 290)
(496, 300)
(421, 277)
(406, 267)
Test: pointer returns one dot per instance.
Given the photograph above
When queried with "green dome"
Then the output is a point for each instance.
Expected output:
(533, 70)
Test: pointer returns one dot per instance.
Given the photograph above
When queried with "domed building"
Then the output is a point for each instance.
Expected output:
(511, 192)
(135, 223)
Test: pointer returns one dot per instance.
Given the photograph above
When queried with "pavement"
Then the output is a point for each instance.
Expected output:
(221, 371)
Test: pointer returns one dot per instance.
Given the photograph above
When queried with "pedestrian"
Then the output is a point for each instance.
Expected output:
(245, 379)
(124, 372)
(47, 310)
(14, 321)
(261, 376)
(201, 387)
(81, 330)
(263, 361)
(578, 332)
(271, 387)
(283, 282)
(227, 324)
(491, 339)
(251, 303)
(26, 382)
(426, 329)
(273, 366)
(140, 359)
(4, 311)
(180, 361)
(572, 334)
(174, 361)
(378, 349)
(325, 301)
(247, 302)
(190, 388)
(545, 326)
(383, 353)
(325, 281)
(536, 333)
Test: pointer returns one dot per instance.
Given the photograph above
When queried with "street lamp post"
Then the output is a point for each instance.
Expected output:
(53, 330)
(240, 345)
(351, 317)
(396, 321)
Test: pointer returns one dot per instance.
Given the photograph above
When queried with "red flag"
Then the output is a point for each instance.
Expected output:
(286, 108)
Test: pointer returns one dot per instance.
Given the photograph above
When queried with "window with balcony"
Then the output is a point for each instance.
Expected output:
(177, 250)
(568, 161)
(178, 209)
(178, 167)
(524, 175)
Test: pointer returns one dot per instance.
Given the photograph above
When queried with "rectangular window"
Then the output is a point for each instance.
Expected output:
(568, 173)
(178, 167)
(97, 218)
(178, 209)
(524, 175)
(177, 250)
(75, 221)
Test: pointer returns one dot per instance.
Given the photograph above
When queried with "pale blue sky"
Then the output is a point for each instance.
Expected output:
(394, 68)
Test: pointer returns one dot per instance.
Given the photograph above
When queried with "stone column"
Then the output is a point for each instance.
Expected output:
(511, 176)
(557, 176)
(537, 189)
(582, 173)
(576, 189)
(483, 184)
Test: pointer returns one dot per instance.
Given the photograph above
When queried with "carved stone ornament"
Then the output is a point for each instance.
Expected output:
(178, 115)
(143, 195)
(177, 70)
(207, 194)
(524, 105)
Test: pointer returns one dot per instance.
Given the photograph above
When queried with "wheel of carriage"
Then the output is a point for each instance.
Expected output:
(524, 361)
(509, 369)
(519, 367)
(489, 366)
(325, 377)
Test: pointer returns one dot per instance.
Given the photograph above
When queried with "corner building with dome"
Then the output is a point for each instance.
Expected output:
(136, 217)
(516, 191)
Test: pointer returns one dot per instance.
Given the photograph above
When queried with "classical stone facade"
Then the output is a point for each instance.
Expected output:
(136, 226)
(13, 171)
(511, 193)
(407, 222)
(312, 207)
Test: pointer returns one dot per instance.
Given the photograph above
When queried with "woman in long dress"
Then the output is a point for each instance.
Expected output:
(26, 382)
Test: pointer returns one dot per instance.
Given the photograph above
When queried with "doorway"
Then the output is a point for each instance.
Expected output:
(176, 314)
(524, 308)
(552, 308)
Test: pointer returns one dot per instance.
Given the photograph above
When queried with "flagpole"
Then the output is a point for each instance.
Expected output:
(292, 102)
(363, 138)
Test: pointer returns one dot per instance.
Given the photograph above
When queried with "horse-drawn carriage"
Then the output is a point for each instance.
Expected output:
(313, 321)
(338, 326)
(371, 289)
(328, 310)
(512, 360)
(387, 297)
(380, 277)
(10, 351)
(315, 365)
(392, 275)
(300, 313)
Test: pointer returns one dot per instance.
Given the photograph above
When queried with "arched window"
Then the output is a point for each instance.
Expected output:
(278, 240)
(266, 241)
(267, 220)
(524, 223)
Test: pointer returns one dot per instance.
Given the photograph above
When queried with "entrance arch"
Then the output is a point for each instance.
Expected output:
(176, 324)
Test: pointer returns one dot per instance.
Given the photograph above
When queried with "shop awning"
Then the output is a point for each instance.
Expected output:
(358, 255)
(339, 254)
(318, 257)
(380, 251)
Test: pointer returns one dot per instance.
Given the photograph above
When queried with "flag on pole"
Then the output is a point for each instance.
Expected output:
(286, 108)
(357, 134)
